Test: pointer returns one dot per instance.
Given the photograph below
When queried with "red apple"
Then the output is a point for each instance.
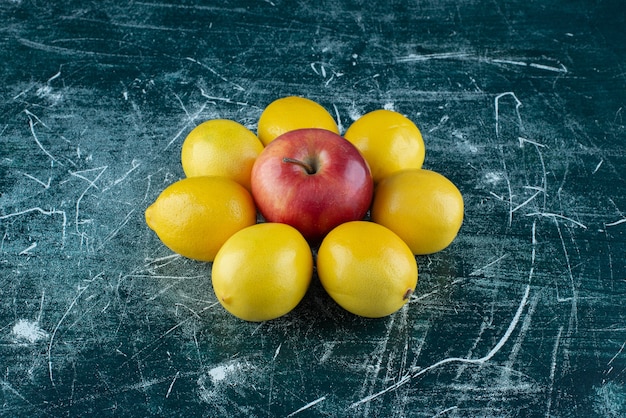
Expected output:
(313, 180)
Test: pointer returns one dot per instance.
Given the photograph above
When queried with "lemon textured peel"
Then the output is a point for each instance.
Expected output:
(220, 147)
(291, 113)
(367, 269)
(196, 215)
(422, 206)
(262, 272)
(389, 141)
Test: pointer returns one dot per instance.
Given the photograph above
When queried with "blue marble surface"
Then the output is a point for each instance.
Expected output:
(521, 104)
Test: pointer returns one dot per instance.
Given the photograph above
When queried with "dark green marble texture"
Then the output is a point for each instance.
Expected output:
(521, 104)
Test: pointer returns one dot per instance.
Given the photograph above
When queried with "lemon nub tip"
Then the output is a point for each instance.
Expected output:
(148, 216)
(407, 294)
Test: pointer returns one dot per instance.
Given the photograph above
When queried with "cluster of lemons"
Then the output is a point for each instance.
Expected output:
(261, 270)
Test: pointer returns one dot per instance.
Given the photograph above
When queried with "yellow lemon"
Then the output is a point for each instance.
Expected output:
(423, 207)
(291, 113)
(366, 268)
(262, 272)
(195, 216)
(389, 141)
(221, 147)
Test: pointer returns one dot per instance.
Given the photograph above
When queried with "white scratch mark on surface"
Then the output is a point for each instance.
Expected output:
(527, 201)
(339, 124)
(621, 221)
(26, 251)
(509, 188)
(221, 77)
(172, 329)
(185, 126)
(561, 69)
(177, 279)
(523, 141)
(57, 75)
(91, 183)
(307, 406)
(435, 56)
(134, 165)
(415, 298)
(497, 109)
(165, 277)
(14, 391)
(45, 185)
(555, 352)
(573, 320)
(56, 329)
(621, 349)
(445, 411)
(169, 389)
(31, 125)
(544, 173)
(116, 230)
(597, 167)
(467, 57)
(277, 351)
(224, 99)
(169, 258)
(312, 65)
(332, 77)
(557, 216)
(43, 212)
(43, 297)
(80, 175)
(258, 327)
(509, 367)
(509, 62)
(188, 308)
(442, 121)
(70, 51)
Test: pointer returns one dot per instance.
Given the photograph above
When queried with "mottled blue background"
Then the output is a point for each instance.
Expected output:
(521, 104)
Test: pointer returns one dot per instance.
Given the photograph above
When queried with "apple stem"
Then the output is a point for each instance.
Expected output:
(307, 167)
(407, 294)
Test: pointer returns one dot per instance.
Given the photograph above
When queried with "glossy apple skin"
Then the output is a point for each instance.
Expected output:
(339, 190)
